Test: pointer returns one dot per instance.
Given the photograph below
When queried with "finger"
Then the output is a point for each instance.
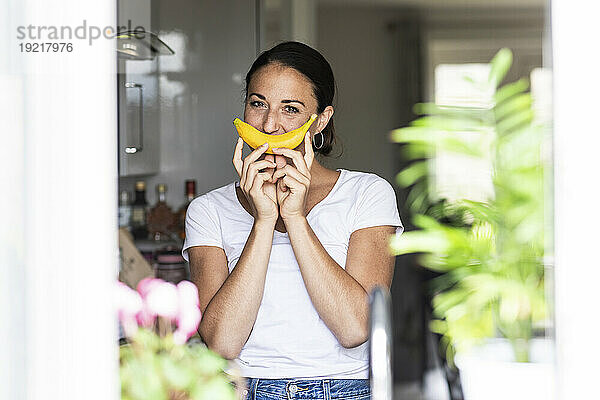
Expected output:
(294, 180)
(296, 157)
(309, 154)
(292, 184)
(292, 171)
(281, 193)
(254, 169)
(253, 156)
(288, 170)
(281, 161)
(259, 182)
(271, 157)
(281, 187)
(261, 164)
(237, 156)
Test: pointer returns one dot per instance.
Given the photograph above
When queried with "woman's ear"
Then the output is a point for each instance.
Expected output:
(324, 118)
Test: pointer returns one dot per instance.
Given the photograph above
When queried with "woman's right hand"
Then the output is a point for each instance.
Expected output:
(260, 193)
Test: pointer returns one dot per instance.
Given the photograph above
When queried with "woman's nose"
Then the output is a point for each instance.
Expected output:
(271, 123)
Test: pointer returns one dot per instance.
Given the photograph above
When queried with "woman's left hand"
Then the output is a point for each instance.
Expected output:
(293, 182)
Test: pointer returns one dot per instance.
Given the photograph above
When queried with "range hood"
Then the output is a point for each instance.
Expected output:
(135, 45)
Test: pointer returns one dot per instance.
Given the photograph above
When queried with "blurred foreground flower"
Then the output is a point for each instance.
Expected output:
(162, 366)
(129, 306)
(188, 315)
(160, 298)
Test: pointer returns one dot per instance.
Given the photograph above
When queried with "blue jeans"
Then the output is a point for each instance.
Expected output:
(307, 389)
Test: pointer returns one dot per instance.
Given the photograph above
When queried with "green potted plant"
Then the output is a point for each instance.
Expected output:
(158, 362)
(488, 253)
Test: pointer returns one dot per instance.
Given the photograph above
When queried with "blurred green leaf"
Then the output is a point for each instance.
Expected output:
(417, 199)
(521, 102)
(415, 151)
(153, 367)
(408, 176)
(416, 134)
(214, 388)
(518, 120)
(416, 242)
(448, 123)
(438, 326)
(176, 372)
(144, 382)
(500, 65)
(208, 362)
(509, 90)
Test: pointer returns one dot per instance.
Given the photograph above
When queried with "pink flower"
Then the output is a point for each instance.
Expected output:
(145, 286)
(129, 303)
(145, 317)
(187, 326)
(188, 293)
(189, 315)
(162, 299)
(159, 298)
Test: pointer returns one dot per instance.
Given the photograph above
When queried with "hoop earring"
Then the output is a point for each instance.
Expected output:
(322, 140)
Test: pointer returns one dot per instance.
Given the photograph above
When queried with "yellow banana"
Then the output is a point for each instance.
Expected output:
(255, 138)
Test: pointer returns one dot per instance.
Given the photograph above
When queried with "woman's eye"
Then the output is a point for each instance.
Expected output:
(291, 109)
(257, 103)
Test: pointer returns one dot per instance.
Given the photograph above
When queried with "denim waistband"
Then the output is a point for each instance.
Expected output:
(291, 389)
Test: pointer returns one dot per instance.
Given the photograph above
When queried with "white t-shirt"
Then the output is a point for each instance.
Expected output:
(289, 339)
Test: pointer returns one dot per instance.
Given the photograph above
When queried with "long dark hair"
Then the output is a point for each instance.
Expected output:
(310, 63)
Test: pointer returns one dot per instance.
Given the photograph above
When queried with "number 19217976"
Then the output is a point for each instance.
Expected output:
(46, 47)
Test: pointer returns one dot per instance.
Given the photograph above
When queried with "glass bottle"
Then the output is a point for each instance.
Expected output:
(161, 219)
(124, 210)
(139, 208)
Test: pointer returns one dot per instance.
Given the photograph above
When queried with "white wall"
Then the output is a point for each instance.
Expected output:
(357, 44)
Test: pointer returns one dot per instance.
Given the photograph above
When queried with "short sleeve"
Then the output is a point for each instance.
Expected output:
(202, 227)
(376, 206)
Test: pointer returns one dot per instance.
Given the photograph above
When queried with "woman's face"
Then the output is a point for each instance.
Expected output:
(280, 99)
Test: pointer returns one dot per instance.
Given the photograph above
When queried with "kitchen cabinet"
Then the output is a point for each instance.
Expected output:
(137, 82)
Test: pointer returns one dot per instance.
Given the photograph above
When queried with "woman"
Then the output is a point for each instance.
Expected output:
(285, 258)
